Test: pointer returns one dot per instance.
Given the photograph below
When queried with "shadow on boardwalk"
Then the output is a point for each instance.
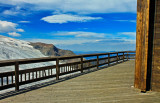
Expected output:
(41, 85)
(113, 84)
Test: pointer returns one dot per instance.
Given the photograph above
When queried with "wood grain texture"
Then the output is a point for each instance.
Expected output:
(142, 43)
(138, 61)
(156, 51)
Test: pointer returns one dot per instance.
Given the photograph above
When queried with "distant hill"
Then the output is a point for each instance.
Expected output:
(51, 50)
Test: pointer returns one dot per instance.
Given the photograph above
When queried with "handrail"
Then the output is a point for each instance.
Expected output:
(21, 77)
(46, 59)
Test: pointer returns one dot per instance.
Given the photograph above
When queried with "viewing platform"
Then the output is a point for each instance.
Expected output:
(111, 84)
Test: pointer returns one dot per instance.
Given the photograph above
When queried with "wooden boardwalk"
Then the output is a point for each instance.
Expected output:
(110, 85)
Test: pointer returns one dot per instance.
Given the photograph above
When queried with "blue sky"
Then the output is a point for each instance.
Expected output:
(77, 25)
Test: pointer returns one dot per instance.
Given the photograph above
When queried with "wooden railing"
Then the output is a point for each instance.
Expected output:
(18, 77)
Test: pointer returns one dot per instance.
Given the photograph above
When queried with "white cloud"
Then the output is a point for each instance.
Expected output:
(15, 10)
(10, 28)
(83, 41)
(133, 21)
(20, 30)
(64, 42)
(24, 21)
(10, 12)
(79, 6)
(128, 33)
(14, 34)
(6, 26)
(65, 18)
(82, 34)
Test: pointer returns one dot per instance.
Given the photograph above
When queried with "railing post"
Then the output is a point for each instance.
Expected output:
(117, 57)
(57, 69)
(82, 64)
(97, 61)
(108, 59)
(16, 76)
(123, 56)
(127, 56)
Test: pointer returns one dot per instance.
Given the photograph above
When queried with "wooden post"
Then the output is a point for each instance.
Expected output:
(57, 69)
(138, 60)
(82, 64)
(127, 56)
(16, 76)
(123, 56)
(117, 57)
(108, 59)
(97, 61)
(1, 81)
(145, 29)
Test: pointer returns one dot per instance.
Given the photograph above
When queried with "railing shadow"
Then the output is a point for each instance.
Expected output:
(45, 84)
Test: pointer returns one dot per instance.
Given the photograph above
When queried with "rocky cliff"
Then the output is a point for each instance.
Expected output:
(51, 50)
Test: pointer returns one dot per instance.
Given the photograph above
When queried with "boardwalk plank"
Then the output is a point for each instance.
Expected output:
(110, 85)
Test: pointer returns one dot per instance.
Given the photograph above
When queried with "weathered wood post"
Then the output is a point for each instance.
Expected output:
(127, 55)
(57, 69)
(147, 41)
(16, 76)
(2, 81)
(82, 64)
(108, 59)
(123, 56)
(97, 61)
(117, 57)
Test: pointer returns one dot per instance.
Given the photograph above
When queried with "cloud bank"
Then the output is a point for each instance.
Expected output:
(128, 33)
(14, 34)
(91, 44)
(83, 37)
(132, 21)
(65, 18)
(77, 6)
(81, 34)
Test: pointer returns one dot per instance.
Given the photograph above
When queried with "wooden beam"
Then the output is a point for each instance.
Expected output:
(138, 60)
(142, 44)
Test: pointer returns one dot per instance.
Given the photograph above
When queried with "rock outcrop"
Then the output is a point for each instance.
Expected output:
(51, 50)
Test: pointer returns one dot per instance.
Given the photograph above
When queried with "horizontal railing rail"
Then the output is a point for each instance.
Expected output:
(18, 77)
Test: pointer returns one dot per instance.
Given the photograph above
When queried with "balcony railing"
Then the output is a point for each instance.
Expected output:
(18, 77)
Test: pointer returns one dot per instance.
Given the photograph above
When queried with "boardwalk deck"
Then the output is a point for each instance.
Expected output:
(110, 85)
